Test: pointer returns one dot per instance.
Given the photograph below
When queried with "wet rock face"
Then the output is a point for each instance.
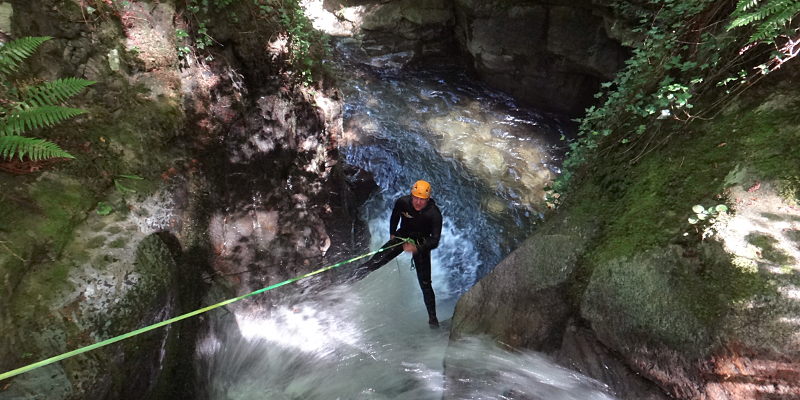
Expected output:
(419, 27)
(553, 55)
(397, 32)
(549, 54)
(130, 282)
(518, 323)
(240, 173)
(580, 350)
(524, 303)
(266, 223)
(279, 202)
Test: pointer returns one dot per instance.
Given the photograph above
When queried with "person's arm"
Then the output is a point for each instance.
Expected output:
(394, 219)
(432, 242)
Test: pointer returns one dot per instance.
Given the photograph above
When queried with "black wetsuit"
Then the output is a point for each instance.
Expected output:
(425, 227)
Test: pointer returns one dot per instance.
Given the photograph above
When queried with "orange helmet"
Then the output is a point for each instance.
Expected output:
(421, 189)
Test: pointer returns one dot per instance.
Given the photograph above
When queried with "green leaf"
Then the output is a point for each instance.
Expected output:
(135, 177)
(693, 220)
(35, 149)
(122, 188)
(698, 208)
(53, 93)
(721, 208)
(14, 52)
(21, 121)
(104, 208)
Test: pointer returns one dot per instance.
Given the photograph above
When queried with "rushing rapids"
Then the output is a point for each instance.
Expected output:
(489, 161)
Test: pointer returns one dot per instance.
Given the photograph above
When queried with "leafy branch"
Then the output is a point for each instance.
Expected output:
(686, 64)
(304, 45)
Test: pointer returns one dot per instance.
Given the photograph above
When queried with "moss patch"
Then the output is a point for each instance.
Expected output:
(118, 243)
(717, 283)
(644, 207)
(790, 189)
(616, 296)
(769, 251)
(96, 242)
(665, 296)
(37, 221)
(63, 202)
(647, 204)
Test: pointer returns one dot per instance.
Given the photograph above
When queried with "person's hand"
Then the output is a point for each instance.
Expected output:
(409, 248)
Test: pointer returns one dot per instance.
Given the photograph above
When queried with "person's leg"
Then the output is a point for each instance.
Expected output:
(380, 259)
(422, 261)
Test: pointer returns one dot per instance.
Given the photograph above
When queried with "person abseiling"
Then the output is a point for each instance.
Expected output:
(420, 220)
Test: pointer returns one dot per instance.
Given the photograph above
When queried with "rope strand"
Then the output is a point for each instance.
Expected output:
(157, 325)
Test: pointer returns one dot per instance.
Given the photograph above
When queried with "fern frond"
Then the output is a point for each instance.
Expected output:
(744, 5)
(13, 53)
(770, 17)
(35, 149)
(776, 7)
(744, 20)
(37, 117)
(53, 92)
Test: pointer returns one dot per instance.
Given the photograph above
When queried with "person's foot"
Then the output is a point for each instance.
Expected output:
(433, 322)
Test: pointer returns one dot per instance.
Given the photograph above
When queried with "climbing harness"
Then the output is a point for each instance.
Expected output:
(124, 336)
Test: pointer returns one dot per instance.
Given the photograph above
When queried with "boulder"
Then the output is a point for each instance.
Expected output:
(727, 337)
(500, 304)
(523, 302)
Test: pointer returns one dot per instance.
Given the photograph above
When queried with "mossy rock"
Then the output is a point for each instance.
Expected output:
(525, 301)
(638, 296)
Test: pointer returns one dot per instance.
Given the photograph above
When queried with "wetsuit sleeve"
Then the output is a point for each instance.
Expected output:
(432, 241)
(395, 218)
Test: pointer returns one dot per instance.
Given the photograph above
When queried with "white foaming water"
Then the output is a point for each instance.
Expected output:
(370, 340)
(488, 161)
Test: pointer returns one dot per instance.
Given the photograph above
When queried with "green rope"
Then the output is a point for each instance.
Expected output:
(124, 336)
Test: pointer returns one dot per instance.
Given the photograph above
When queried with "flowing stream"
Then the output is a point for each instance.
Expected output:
(488, 161)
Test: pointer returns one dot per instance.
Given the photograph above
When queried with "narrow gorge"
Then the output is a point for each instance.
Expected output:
(619, 183)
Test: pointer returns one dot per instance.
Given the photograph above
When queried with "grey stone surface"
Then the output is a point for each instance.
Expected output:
(581, 351)
(552, 55)
(523, 302)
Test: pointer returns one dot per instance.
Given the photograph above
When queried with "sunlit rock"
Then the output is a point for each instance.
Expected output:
(495, 206)
(392, 60)
(344, 21)
(6, 11)
(150, 33)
